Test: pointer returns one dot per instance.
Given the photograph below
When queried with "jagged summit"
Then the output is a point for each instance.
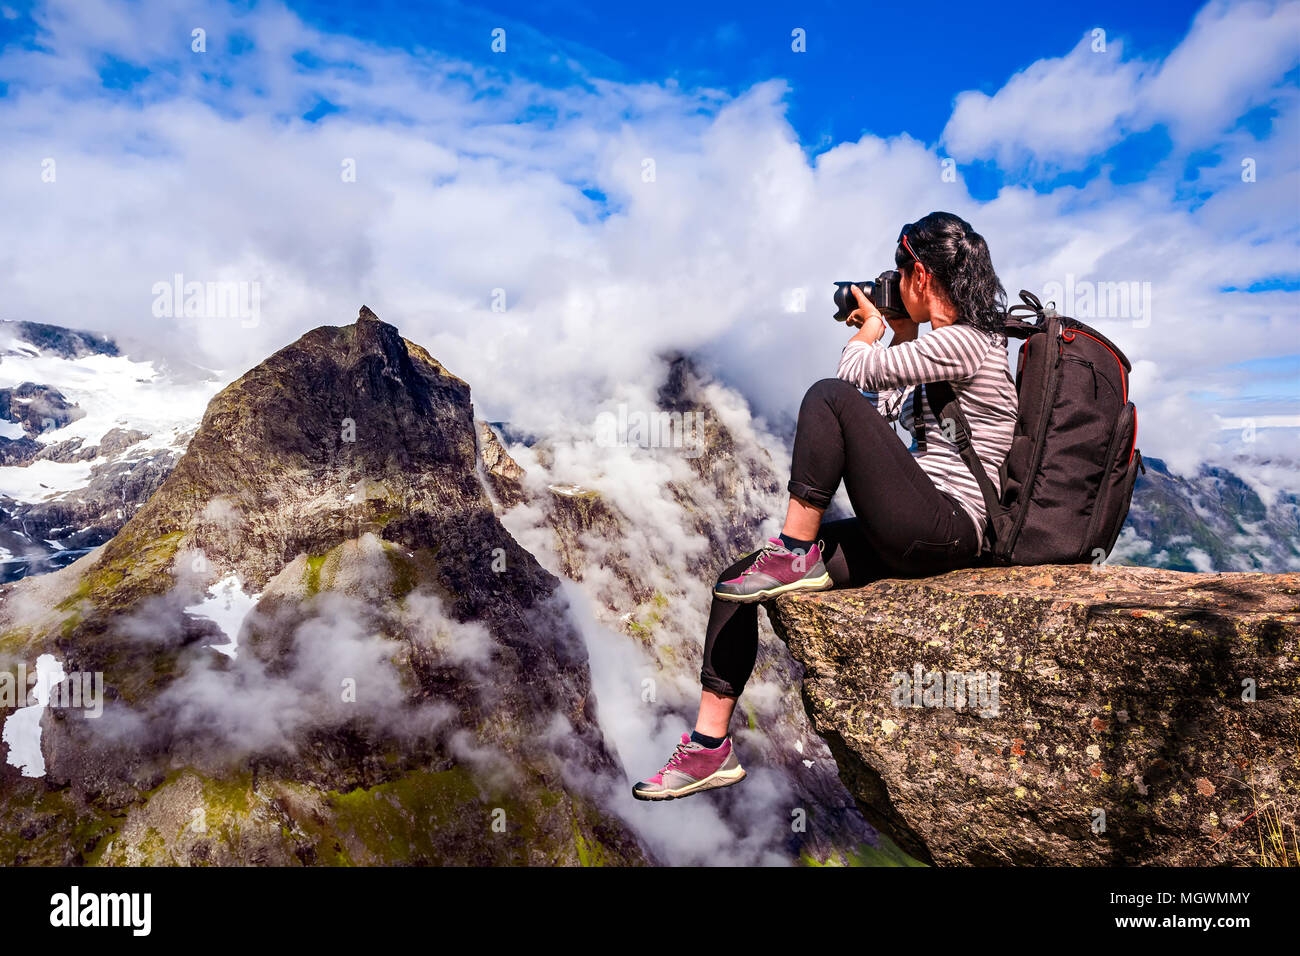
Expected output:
(347, 430)
(332, 493)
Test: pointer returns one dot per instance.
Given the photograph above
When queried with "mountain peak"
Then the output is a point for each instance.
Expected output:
(350, 429)
(365, 315)
(329, 522)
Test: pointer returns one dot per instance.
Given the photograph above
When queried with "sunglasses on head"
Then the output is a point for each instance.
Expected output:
(902, 238)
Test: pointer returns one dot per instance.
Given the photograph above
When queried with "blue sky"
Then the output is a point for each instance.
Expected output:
(735, 45)
(776, 172)
(860, 71)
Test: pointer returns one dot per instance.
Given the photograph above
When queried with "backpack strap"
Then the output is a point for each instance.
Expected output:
(944, 401)
(1014, 321)
(1018, 328)
(918, 418)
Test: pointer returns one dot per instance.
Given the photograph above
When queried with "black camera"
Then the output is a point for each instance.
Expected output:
(883, 293)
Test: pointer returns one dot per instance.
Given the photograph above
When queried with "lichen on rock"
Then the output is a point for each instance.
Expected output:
(1142, 716)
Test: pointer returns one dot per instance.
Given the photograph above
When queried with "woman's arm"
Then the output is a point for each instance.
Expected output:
(952, 353)
(873, 327)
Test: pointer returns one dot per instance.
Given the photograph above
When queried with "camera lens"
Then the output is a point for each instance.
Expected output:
(845, 303)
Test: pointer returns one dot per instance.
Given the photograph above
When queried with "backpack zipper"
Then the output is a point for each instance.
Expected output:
(1091, 368)
(1123, 378)
(1097, 502)
(1133, 448)
(1123, 375)
(1049, 394)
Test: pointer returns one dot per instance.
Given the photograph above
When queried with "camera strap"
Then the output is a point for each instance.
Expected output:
(918, 418)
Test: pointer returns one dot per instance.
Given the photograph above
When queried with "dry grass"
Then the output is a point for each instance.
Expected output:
(1278, 846)
(1276, 831)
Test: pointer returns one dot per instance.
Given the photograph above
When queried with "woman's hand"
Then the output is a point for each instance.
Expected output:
(905, 329)
(866, 309)
(866, 318)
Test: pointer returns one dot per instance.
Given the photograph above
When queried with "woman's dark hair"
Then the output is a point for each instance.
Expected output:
(958, 257)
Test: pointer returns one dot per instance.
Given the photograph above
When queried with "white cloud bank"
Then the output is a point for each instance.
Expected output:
(1065, 110)
(471, 180)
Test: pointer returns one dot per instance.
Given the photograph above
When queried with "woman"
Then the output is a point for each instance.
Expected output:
(918, 511)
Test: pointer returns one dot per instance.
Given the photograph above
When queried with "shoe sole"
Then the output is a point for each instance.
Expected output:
(803, 584)
(715, 780)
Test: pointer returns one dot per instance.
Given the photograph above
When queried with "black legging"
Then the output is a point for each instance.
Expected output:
(904, 527)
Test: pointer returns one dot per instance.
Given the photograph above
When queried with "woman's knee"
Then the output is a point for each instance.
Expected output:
(830, 396)
(829, 389)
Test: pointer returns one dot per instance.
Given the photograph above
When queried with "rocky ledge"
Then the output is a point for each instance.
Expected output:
(1062, 715)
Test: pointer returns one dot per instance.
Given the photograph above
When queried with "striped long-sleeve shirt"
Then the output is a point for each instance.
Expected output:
(975, 362)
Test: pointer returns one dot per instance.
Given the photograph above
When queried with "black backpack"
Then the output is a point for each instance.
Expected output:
(1068, 478)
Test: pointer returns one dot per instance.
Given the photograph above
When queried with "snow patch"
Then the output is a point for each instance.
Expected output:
(114, 391)
(43, 479)
(226, 605)
(569, 491)
(22, 729)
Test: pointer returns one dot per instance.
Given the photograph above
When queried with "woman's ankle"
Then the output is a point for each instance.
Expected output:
(705, 740)
(799, 545)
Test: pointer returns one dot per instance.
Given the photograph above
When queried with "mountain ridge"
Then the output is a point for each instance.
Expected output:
(374, 551)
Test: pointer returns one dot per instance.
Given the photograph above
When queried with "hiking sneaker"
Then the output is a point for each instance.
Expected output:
(776, 570)
(692, 767)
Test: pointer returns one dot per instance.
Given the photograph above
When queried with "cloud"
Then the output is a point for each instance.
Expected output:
(334, 669)
(1058, 111)
(1231, 61)
(1063, 112)
(466, 644)
(747, 827)
(615, 221)
(300, 669)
